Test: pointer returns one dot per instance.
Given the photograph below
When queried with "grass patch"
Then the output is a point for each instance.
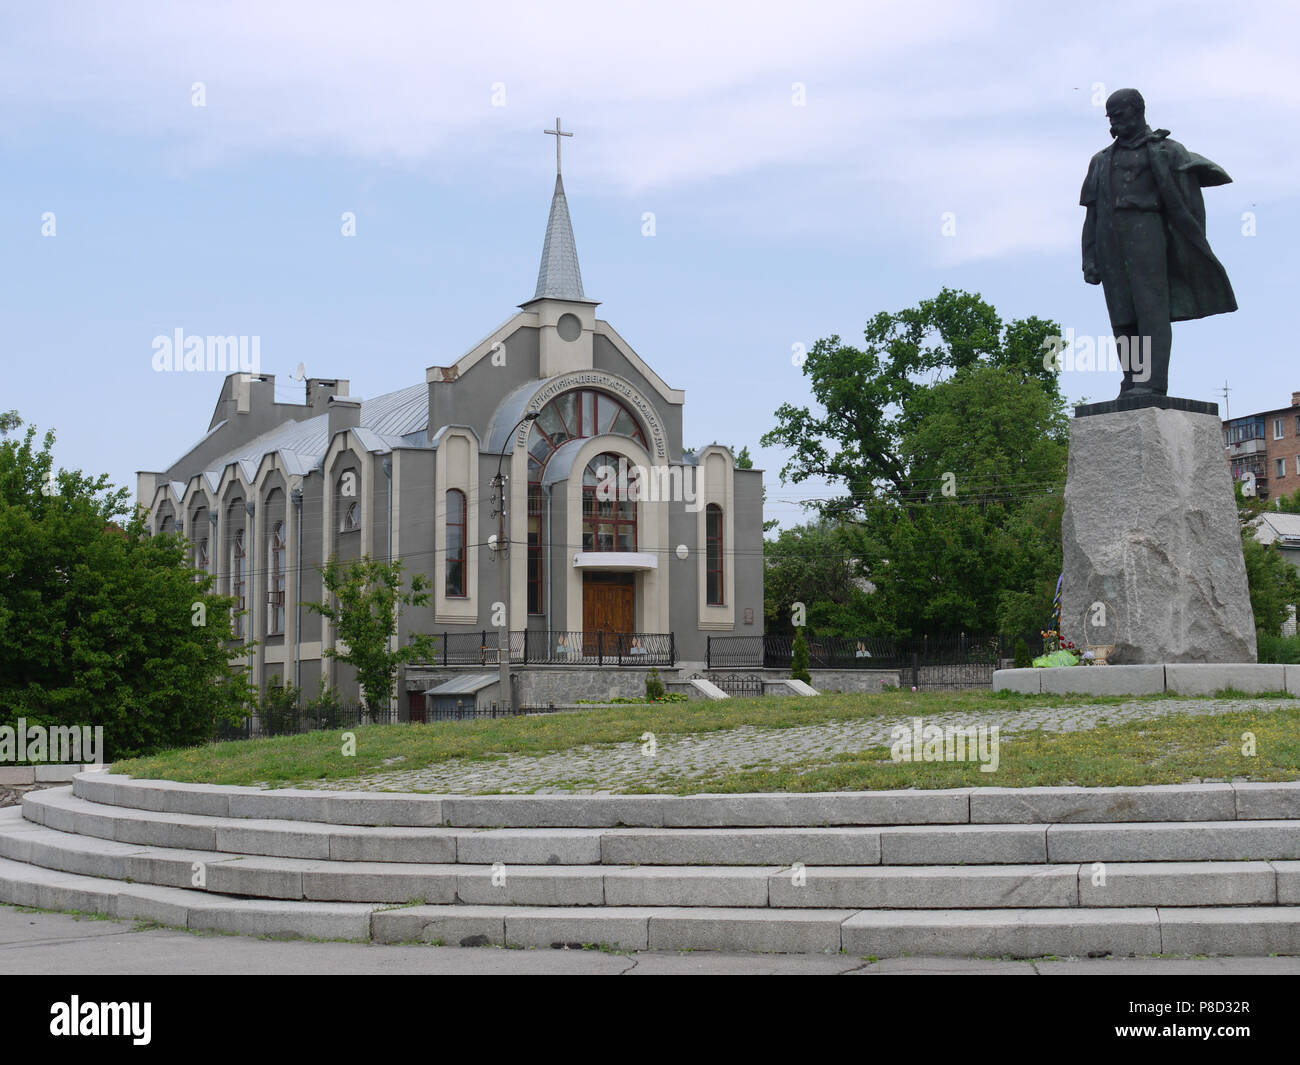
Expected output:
(302, 760)
(1176, 749)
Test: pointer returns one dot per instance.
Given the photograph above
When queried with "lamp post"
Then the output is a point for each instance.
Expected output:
(507, 694)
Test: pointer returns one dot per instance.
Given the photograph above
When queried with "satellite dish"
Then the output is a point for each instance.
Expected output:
(300, 373)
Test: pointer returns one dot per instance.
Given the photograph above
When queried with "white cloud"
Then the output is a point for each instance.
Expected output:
(913, 109)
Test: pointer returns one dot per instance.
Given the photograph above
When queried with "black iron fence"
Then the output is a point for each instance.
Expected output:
(860, 652)
(468, 711)
(924, 662)
(737, 685)
(295, 722)
(548, 647)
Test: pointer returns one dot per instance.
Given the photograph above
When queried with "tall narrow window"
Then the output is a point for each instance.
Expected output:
(238, 580)
(456, 576)
(201, 555)
(608, 514)
(275, 596)
(713, 556)
(535, 503)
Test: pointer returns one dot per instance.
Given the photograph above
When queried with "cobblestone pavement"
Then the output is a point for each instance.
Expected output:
(618, 767)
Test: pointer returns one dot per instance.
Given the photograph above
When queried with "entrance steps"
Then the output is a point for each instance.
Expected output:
(1206, 869)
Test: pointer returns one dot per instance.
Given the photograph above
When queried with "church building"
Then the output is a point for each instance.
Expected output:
(621, 551)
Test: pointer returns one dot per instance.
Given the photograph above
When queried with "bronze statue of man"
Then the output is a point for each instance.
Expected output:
(1144, 241)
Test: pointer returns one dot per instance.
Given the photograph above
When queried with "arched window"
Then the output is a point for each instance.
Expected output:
(574, 415)
(577, 415)
(275, 596)
(713, 554)
(351, 521)
(238, 580)
(456, 575)
(608, 515)
(166, 527)
(535, 566)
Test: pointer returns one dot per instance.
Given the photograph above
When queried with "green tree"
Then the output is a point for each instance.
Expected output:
(814, 565)
(1289, 504)
(1273, 582)
(799, 657)
(102, 624)
(948, 436)
(1023, 659)
(1274, 585)
(364, 599)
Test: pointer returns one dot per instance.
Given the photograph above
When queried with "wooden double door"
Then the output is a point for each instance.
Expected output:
(608, 606)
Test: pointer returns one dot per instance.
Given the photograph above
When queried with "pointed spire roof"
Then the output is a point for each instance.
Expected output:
(559, 276)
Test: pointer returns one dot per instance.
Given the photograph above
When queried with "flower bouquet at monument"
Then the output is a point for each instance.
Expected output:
(1056, 652)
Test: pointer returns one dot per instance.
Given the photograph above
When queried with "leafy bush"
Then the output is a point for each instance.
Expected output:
(1279, 648)
(1023, 658)
(102, 623)
(278, 709)
(654, 687)
(799, 658)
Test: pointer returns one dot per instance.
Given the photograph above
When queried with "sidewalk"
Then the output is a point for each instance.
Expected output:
(60, 944)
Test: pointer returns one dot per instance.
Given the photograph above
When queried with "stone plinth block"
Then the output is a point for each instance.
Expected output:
(1152, 552)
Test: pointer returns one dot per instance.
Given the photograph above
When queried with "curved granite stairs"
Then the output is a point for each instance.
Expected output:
(1195, 869)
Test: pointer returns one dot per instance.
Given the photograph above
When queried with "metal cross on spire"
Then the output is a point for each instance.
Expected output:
(557, 133)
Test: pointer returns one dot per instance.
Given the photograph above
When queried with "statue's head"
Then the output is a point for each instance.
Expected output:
(1127, 112)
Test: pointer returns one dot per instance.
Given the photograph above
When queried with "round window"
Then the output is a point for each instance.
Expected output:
(569, 327)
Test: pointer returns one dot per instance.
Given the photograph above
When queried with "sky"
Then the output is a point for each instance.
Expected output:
(168, 166)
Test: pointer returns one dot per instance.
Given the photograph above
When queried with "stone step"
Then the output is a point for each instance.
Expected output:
(846, 845)
(1181, 802)
(880, 933)
(863, 887)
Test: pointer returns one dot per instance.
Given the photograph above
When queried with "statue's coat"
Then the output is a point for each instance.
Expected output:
(1198, 283)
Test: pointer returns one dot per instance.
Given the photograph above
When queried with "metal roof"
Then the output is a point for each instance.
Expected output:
(1281, 527)
(467, 685)
(559, 276)
(389, 420)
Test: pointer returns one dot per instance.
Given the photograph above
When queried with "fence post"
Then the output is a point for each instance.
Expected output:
(708, 653)
(916, 672)
(444, 649)
(600, 647)
(672, 648)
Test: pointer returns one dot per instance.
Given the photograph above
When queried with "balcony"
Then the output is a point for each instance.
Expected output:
(1257, 446)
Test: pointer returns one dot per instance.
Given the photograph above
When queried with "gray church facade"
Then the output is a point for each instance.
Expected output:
(624, 550)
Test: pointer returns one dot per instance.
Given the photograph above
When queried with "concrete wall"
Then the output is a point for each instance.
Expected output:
(473, 398)
(606, 356)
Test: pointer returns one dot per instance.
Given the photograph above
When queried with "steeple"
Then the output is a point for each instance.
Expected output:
(566, 318)
(559, 277)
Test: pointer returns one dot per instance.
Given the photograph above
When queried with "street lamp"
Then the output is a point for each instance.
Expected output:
(503, 561)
